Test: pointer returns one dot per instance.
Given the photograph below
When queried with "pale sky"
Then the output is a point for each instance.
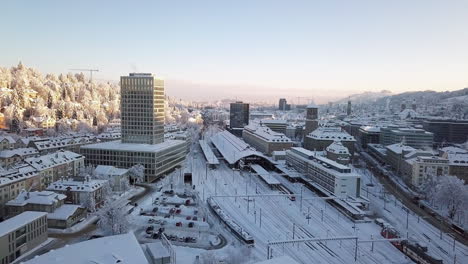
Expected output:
(257, 50)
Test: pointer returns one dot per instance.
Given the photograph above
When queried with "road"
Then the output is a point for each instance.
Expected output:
(407, 200)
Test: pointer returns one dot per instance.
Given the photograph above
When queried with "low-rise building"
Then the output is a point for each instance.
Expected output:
(425, 167)
(53, 166)
(276, 125)
(87, 192)
(13, 156)
(368, 135)
(264, 139)
(322, 137)
(40, 201)
(339, 153)
(117, 177)
(458, 163)
(20, 234)
(59, 215)
(13, 181)
(413, 137)
(66, 216)
(333, 177)
(7, 142)
(397, 154)
(50, 145)
(157, 159)
(447, 130)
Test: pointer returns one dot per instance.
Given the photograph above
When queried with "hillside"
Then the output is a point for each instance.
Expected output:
(30, 99)
(364, 97)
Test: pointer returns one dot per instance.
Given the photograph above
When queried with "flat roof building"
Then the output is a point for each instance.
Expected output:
(447, 130)
(336, 178)
(264, 139)
(20, 234)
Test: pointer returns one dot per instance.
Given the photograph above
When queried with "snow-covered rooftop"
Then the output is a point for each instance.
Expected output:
(7, 138)
(53, 159)
(266, 133)
(19, 221)
(233, 148)
(338, 148)
(398, 148)
(117, 145)
(19, 173)
(109, 170)
(44, 198)
(209, 155)
(76, 186)
(64, 212)
(122, 249)
(330, 133)
(18, 152)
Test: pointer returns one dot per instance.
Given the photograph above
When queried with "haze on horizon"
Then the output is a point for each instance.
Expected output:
(259, 50)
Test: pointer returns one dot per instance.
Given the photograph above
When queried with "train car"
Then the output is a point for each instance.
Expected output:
(460, 230)
(285, 190)
(235, 228)
(418, 254)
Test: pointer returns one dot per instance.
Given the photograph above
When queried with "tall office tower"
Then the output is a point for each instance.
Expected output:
(239, 115)
(348, 110)
(142, 108)
(282, 104)
(142, 119)
(311, 119)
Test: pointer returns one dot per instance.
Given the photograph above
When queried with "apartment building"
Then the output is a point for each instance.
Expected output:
(13, 181)
(53, 166)
(265, 140)
(12, 156)
(425, 167)
(322, 137)
(20, 234)
(87, 191)
(334, 177)
(7, 142)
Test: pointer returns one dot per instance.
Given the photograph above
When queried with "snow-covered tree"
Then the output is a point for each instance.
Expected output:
(137, 173)
(452, 194)
(112, 220)
(89, 203)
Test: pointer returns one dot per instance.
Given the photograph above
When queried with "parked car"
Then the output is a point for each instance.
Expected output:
(178, 211)
(191, 224)
(155, 210)
(188, 218)
(195, 218)
(149, 229)
(178, 224)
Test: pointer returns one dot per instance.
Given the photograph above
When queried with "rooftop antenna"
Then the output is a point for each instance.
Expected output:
(89, 70)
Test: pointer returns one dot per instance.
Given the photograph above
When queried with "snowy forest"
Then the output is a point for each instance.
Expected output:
(65, 102)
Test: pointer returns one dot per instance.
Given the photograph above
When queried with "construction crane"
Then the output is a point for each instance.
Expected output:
(90, 72)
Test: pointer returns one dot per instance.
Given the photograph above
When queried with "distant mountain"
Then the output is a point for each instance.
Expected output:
(365, 97)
